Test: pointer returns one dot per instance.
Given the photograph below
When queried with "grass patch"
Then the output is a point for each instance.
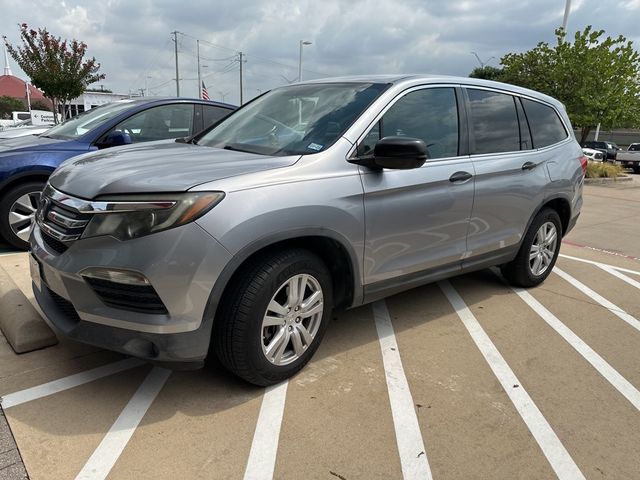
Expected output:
(604, 170)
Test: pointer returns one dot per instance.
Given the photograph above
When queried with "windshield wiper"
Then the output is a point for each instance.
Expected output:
(236, 149)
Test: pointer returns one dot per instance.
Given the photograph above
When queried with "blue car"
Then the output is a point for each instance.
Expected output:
(27, 162)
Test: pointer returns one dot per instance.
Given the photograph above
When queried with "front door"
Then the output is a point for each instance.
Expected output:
(417, 220)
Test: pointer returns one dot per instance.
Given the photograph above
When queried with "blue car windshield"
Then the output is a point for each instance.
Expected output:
(85, 122)
(294, 120)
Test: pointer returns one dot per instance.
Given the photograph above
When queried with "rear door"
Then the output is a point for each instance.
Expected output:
(511, 174)
(417, 219)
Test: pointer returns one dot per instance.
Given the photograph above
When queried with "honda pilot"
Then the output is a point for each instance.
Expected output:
(241, 240)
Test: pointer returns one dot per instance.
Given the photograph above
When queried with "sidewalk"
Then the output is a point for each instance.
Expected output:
(11, 466)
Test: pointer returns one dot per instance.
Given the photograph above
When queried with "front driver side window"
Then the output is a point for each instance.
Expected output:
(430, 114)
(159, 123)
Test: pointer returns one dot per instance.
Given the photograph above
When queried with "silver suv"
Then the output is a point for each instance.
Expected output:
(330, 194)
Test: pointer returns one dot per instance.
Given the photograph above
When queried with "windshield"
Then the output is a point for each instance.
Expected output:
(294, 120)
(86, 121)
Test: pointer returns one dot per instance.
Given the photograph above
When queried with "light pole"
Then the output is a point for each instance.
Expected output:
(482, 64)
(302, 44)
(146, 85)
(565, 19)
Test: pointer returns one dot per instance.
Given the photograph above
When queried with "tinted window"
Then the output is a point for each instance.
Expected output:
(525, 134)
(546, 127)
(430, 115)
(494, 122)
(211, 114)
(159, 123)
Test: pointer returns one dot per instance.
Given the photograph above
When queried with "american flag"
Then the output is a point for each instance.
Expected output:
(205, 94)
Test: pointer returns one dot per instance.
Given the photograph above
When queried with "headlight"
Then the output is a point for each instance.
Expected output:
(133, 216)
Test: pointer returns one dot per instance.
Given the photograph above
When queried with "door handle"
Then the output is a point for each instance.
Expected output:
(460, 177)
(529, 166)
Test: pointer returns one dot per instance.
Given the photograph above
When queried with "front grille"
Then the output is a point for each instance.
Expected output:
(61, 225)
(54, 244)
(65, 306)
(137, 298)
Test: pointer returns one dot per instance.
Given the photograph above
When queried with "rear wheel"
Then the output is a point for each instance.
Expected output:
(17, 213)
(538, 252)
(273, 316)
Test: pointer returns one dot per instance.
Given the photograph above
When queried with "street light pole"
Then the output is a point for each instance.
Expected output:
(565, 19)
(302, 44)
(175, 39)
(199, 75)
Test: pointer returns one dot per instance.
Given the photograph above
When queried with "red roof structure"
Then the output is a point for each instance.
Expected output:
(15, 87)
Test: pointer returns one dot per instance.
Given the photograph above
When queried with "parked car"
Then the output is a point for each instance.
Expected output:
(27, 162)
(609, 149)
(631, 158)
(594, 155)
(243, 239)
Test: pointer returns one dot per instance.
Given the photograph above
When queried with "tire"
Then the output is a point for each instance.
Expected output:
(20, 201)
(242, 342)
(524, 271)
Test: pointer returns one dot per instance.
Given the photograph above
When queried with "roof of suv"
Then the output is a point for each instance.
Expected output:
(414, 79)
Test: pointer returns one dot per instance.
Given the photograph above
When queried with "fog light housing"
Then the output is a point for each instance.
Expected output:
(126, 277)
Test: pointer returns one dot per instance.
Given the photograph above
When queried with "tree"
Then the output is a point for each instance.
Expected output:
(56, 67)
(487, 73)
(597, 79)
(8, 105)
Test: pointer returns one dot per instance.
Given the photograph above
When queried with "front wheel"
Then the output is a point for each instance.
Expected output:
(17, 213)
(273, 316)
(538, 252)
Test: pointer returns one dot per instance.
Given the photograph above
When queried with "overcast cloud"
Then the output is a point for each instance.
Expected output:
(131, 39)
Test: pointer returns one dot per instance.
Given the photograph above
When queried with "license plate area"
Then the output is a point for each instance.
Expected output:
(37, 276)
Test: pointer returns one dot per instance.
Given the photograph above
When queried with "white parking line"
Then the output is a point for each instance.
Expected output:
(413, 455)
(600, 364)
(621, 276)
(584, 260)
(553, 449)
(106, 455)
(617, 311)
(23, 396)
(264, 448)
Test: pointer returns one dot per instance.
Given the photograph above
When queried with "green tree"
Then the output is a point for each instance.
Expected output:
(55, 66)
(487, 73)
(8, 105)
(597, 79)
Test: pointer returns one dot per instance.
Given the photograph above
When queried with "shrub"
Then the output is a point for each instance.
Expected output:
(603, 170)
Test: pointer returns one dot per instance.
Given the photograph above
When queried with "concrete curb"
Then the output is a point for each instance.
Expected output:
(606, 181)
(21, 324)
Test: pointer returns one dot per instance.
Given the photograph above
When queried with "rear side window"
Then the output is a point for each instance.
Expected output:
(211, 114)
(494, 122)
(546, 127)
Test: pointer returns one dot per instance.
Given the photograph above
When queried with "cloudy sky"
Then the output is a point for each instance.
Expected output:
(132, 41)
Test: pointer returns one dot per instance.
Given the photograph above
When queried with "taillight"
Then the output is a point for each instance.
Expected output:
(583, 163)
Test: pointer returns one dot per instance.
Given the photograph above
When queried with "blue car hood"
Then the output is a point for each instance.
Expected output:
(34, 143)
(156, 167)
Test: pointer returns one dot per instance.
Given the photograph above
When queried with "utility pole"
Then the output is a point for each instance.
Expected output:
(175, 40)
(199, 76)
(240, 54)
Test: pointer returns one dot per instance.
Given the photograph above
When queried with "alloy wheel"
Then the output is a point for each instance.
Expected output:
(292, 319)
(543, 248)
(22, 215)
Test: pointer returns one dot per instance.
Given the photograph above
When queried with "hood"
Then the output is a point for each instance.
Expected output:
(34, 143)
(155, 168)
(22, 131)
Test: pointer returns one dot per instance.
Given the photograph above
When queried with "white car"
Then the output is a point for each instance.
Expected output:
(594, 155)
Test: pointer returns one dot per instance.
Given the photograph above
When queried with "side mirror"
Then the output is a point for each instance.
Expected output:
(115, 139)
(400, 153)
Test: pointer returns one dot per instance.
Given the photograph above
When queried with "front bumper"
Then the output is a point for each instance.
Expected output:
(182, 264)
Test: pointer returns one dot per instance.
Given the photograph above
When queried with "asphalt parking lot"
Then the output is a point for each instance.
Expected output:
(457, 380)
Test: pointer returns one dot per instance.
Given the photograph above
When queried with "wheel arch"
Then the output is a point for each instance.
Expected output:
(339, 257)
(39, 175)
